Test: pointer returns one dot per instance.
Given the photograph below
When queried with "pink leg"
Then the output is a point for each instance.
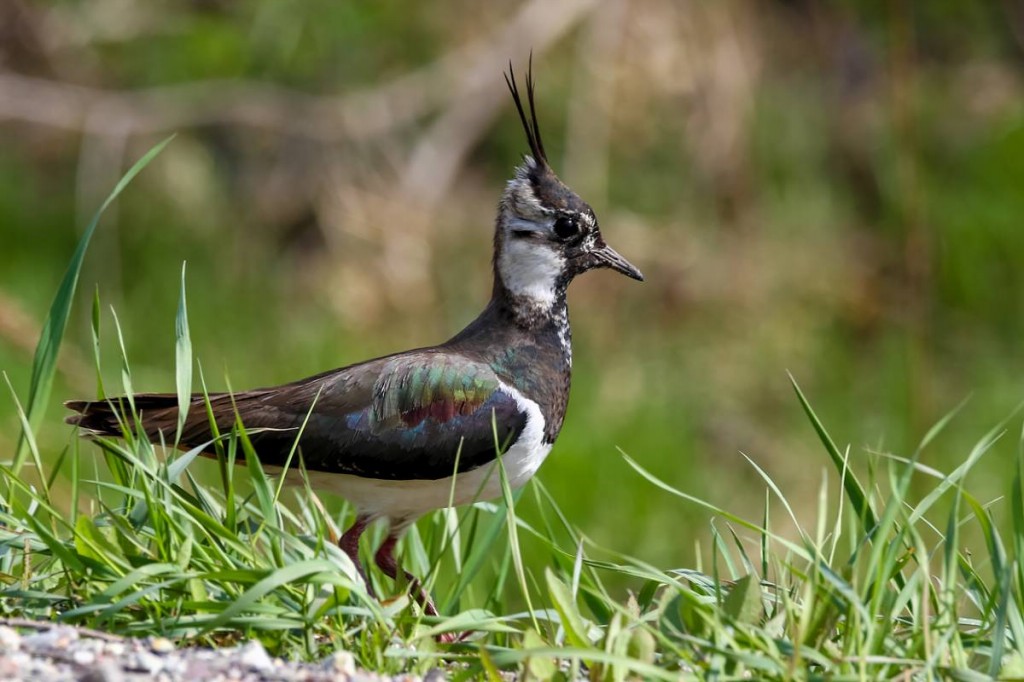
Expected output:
(385, 559)
(386, 562)
(349, 544)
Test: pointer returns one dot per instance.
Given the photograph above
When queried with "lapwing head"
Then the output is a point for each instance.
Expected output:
(546, 234)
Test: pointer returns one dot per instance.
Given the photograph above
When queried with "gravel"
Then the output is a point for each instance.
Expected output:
(41, 652)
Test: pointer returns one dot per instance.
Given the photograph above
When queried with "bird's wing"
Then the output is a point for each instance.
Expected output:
(408, 416)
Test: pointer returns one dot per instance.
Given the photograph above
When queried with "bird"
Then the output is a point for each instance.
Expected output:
(404, 434)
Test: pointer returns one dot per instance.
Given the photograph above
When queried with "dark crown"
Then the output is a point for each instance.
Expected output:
(548, 188)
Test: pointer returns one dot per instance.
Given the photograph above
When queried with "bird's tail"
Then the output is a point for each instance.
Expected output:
(157, 412)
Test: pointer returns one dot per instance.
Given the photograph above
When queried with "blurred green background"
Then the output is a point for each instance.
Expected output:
(831, 189)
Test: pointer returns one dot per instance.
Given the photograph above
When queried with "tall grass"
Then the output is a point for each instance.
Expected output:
(883, 584)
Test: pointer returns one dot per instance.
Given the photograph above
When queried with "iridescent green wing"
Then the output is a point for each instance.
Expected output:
(408, 416)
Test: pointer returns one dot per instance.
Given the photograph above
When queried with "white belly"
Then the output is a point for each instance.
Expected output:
(403, 501)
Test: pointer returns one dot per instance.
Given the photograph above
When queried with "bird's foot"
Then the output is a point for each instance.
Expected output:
(453, 637)
(450, 637)
(423, 597)
(385, 559)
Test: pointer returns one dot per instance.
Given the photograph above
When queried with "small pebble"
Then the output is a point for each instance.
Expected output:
(10, 640)
(144, 660)
(161, 645)
(341, 662)
(105, 671)
(253, 655)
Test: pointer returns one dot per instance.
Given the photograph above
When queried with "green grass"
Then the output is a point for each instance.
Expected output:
(128, 537)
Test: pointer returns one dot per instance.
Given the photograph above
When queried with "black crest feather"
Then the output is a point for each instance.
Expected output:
(530, 125)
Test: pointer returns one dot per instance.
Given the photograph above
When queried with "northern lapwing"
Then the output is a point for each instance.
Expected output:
(408, 433)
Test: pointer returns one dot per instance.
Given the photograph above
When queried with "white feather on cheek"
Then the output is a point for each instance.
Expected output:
(530, 269)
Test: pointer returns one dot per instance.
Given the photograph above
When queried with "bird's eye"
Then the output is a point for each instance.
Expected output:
(566, 227)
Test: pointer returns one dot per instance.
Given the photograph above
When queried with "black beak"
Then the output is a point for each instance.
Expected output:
(607, 257)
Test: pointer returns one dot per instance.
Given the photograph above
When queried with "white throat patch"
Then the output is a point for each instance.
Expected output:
(531, 270)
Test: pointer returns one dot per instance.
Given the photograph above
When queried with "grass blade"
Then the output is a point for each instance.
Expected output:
(44, 364)
(852, 486)
(182, 359)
